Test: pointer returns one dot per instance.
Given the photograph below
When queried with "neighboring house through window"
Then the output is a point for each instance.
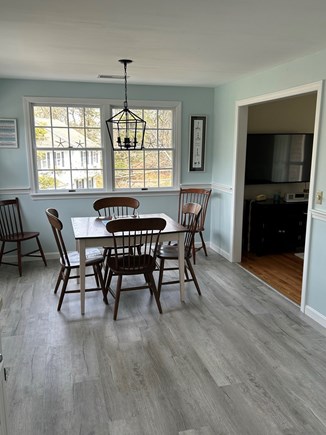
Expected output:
(71, 151)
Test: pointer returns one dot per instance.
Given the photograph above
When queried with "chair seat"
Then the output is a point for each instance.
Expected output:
(131, 264)
(93, 256)
(20, 236)
(169, 252)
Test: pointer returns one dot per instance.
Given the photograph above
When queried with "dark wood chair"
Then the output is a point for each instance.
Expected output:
(131, 233)
(114, 206)
(191, 214)
(198, 196)
(70, 261)
(12, 231)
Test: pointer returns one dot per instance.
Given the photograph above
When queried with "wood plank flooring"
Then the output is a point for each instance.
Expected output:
(238, 360)
(283, 272)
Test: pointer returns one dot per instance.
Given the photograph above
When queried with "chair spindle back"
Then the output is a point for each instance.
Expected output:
(115, 206)
(57, 226)
(10, 218)
(191, 214)
(198, 196)
(135, 233)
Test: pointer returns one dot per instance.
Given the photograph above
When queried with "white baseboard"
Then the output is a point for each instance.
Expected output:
(315, 315)
(219, 250)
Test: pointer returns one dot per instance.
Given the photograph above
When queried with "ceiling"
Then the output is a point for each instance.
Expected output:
(172, 42)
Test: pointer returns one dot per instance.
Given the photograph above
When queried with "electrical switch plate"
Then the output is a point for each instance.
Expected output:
(319, 197)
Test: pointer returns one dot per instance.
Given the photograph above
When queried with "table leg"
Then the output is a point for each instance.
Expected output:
(82, 272)
(181, 259)
(77, 249)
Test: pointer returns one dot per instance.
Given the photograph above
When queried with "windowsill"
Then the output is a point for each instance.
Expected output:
(69, 195)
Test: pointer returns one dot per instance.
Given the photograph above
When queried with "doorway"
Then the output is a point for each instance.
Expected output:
(243, 122)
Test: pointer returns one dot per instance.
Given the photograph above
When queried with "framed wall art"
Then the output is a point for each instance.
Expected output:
(197, 143)
(8, 133)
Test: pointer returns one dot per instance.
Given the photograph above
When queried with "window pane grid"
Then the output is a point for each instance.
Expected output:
(147, 168)
(61, 132)
(68, 152)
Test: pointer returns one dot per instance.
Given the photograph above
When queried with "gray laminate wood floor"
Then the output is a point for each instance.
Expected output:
(238, 360)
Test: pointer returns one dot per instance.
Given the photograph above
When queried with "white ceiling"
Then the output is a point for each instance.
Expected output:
(172, 42)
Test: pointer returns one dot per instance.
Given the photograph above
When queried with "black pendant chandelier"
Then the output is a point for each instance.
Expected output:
(126, 129)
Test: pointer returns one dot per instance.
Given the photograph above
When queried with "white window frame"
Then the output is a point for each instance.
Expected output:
(106, 106)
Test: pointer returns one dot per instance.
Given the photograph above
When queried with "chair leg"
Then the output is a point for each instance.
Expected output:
(63, 290)
(107, 284)
(151, 283)
(41, 251)
(160, 278)
(193, 275)
(109, 278)
(194, 251)
(203, 242)
(19, 257)
(186, 273)
(148, 283)
(2, 251)
(106, 254)
(96, 276)
(101, 281)
(117, 297)
(60, 278)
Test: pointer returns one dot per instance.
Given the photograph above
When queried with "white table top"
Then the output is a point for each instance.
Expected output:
(94, 227)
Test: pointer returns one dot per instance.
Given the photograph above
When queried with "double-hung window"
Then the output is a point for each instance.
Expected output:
(154, 166)
(65, 140)
(71, 150)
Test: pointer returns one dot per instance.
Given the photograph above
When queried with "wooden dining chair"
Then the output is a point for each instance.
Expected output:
(198, 196)
(191, 214)
(12, 231)
(131, 233)
(70, 261)
(114, 206)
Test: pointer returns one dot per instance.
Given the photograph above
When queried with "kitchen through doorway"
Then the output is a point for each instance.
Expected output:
(282, 269)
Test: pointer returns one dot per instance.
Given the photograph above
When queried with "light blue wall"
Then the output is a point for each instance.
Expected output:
(195, 101)
(316, 297)
(13, 162)
(300, 72)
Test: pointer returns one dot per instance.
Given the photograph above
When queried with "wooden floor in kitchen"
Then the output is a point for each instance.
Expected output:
(238, 360)
(283, 272)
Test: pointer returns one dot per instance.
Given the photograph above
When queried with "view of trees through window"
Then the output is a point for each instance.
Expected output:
(152, 166)
(69, 153)
(68, 146)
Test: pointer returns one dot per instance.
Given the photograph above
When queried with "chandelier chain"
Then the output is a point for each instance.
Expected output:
(126, 99)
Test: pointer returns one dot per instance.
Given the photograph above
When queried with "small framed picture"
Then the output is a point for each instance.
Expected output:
(197, 143)
(8, 133)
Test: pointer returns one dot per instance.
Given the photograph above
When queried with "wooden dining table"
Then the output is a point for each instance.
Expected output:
(91, 232)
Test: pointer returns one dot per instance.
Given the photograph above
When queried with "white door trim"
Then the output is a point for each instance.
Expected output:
(241, 118)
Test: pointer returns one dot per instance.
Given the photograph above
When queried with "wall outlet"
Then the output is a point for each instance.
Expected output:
(319, 197)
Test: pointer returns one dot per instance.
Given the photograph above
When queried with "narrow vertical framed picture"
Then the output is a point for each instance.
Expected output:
(8, 133)
(197, 143)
